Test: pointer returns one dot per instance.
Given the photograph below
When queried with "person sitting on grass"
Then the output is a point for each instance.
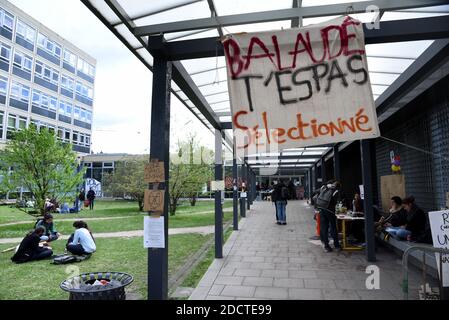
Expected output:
(50, 233)
(29, 248)
(81, 242)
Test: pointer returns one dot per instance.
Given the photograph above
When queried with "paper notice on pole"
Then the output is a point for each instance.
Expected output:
(153, 231)
(439, 224)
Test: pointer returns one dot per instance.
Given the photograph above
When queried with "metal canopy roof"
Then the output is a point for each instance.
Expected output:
(201, 83)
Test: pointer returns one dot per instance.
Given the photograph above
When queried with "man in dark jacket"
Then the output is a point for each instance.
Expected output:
(29, 248)
(328, 219)
(279, 197)
(91, 198)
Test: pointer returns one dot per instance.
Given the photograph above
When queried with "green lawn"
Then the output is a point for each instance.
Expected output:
(115, 225)
(40, 279)
(107, 208)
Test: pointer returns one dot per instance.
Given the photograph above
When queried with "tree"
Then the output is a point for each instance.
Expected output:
(43, 165)
(127, 180)
(189, 171)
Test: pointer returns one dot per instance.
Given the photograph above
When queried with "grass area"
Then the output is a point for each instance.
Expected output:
(107, 208)
(40, 279)
(197, 273)
(115, 225)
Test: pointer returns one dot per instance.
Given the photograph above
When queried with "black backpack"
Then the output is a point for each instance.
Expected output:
(284, 193)
(324, 198)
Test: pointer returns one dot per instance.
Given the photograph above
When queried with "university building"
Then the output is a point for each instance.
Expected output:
(44, 80)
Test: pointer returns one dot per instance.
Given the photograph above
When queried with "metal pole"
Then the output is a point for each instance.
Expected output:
(323, 171)
(248, 190)
(235, 210)
(218, 206)
(315, 176)
(365, 151)
(310, 183)
(336, 163)
(160, 149)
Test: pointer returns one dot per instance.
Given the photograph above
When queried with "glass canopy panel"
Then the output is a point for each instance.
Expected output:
(137, 8)
(106, 12)
(230, 7)
(130, 38)
(415, 13)
(179, 36)
(146, 55)
(310, 3)
(257, 27)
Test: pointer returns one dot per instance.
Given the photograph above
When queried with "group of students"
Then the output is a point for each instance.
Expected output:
(404, 221)
(35, 245)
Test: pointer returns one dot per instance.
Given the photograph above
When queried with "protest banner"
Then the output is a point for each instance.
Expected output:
(300, 87)
(439, 225)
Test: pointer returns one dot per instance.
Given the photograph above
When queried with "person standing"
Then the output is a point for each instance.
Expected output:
(91, 198)
(81, 199)
(326, 202)
(281, 196)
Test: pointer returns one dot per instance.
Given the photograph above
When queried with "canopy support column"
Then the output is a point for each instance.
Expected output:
(160, 150)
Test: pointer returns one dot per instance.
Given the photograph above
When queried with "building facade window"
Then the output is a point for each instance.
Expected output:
(82, 114)
(26, 32)
(84, 91)
(48, 45)
(3, 85)
(20, 91)
(15, 123)
(23, 61)
(64, 134)
(67, 83)
(5, 52)
(69, 58)
(6, 20)
(85, 67)
(44, 101)
(40, 125)
(46, 72)
(2, 118)
(65, 108)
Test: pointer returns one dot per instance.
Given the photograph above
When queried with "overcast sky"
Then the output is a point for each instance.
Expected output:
(122, 102)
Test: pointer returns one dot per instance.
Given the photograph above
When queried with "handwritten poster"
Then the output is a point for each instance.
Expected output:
(153, 232)
(154, 172)
(300, 87)
(154, 200)
(439, 224)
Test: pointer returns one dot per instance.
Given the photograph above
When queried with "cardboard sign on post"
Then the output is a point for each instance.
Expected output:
(300, 87)
(154, 201)
(439, 225)
(154, 172)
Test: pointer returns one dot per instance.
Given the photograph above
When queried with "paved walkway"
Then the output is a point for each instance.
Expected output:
(267, 261)
(128, 234)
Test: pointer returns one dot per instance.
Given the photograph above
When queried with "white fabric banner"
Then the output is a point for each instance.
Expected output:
(439, 225)
(300, 87)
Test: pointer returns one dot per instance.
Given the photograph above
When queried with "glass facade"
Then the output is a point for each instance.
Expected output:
(43, 77)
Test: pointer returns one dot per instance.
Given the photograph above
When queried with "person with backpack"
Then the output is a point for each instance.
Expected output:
(91, 198)
(280, 196)
(50, 233)
(29, 248)
(326, 201)
(81, 242)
